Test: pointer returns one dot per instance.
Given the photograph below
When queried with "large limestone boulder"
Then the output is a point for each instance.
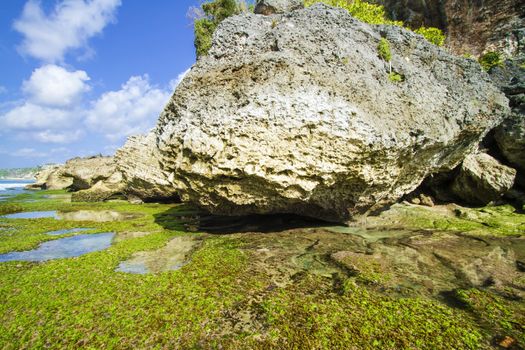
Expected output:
(57, 181)
(270, 7)
(296, 113)
(52, 178)
(49, 178)
(138, 161)
(482, 179)
(110, 188)
(86, 172)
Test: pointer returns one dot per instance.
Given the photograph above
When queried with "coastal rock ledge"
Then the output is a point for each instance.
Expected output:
(297, 113)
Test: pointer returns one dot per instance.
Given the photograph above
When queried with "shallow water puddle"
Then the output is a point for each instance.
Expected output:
(63, 248)
(63, 232)
(96, 215)
(32, 215)
(174, 255)
(80, 215)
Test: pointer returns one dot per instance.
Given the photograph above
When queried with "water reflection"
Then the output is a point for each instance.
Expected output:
(63, 248)
(32, 215)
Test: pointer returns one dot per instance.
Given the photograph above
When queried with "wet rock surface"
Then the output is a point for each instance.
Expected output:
(174, 255)
(420, 262)
(272, 120)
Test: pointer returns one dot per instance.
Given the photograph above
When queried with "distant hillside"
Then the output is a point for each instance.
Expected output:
(19, 173)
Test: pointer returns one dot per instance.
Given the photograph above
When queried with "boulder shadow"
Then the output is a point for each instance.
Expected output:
(192, 220)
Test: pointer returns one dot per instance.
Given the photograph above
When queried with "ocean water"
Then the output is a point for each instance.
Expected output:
(10, 188)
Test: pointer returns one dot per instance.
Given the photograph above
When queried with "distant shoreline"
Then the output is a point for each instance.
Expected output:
(17, 179)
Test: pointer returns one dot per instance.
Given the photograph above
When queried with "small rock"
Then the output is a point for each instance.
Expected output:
(426, 200)
(482, 179)
(507, 342)
(520, 265)
(415, 200)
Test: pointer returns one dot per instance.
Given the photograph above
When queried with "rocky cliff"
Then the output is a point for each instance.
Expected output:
(472, 27)
(298, 113)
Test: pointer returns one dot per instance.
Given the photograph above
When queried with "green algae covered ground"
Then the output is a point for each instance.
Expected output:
(246, 290)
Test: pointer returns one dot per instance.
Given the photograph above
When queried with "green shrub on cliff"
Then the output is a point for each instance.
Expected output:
(490, 60)
(384, 50)
(363, 11)
(375, 14)
(209, 16)
(204, 29)
(433, 35)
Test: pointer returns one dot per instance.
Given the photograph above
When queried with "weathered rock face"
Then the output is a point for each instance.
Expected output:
(510, 135)
(48, 178)
(301, 117)
(138, 161)
(482, 179)
(270, 7)
(471, 27)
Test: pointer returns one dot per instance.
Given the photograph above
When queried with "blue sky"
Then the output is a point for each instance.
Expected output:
(79, 76)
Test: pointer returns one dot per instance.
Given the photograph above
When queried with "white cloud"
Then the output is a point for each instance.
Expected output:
(52, 111)
(131, 110)
(31, 116)
(53, 136)
(3, 89)
(29, 153)
(175, 82)
(55, 86)
(69, 26)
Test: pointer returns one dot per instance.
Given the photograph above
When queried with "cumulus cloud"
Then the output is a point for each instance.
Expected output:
(69, 26)
(30, 116)
(131, 110)
(52, 109)
(55, 86)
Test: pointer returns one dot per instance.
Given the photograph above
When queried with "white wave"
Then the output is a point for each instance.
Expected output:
(9, 186)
